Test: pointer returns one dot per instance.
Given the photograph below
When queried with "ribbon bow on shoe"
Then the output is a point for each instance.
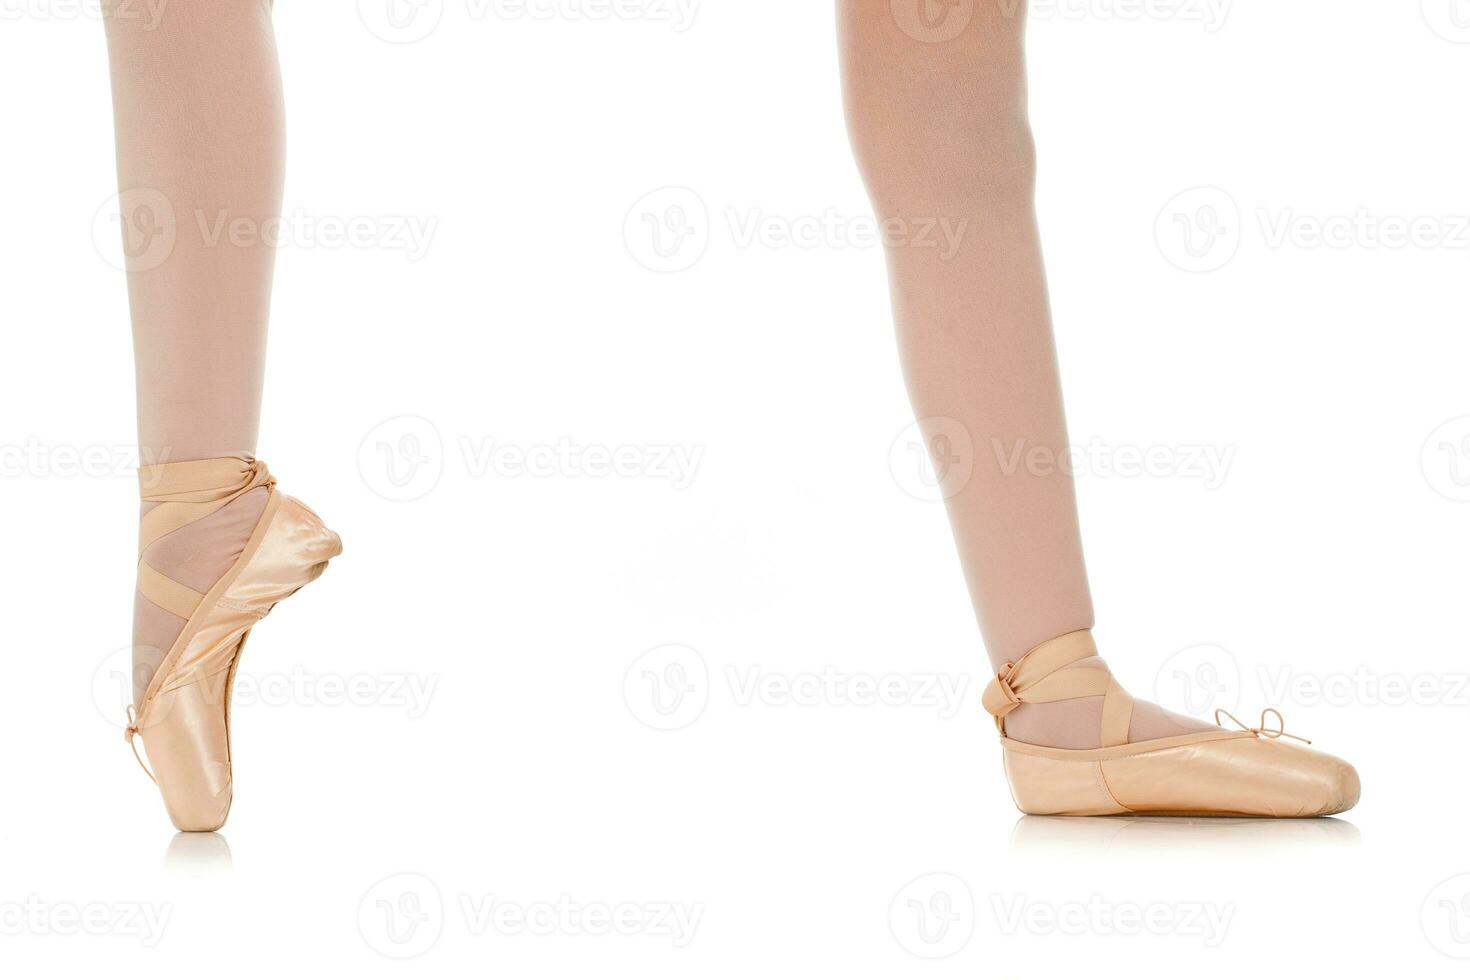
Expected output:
(1059, 670)
(1264, 731)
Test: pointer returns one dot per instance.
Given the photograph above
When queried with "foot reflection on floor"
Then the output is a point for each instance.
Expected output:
(1222, 836)
(196, 853)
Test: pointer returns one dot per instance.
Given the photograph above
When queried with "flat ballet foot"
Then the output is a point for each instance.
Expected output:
(1231, 774)
(1201, 771)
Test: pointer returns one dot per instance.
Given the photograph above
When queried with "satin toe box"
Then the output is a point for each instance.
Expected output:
(188, 745)
(1213, 774)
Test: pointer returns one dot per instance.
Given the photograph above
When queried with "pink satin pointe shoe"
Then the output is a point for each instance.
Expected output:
(184, 716)
(1251, 772)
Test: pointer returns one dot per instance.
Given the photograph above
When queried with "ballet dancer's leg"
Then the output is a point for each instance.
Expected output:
(200, 147)
(941, 133)
(197, 95)
(936, 97)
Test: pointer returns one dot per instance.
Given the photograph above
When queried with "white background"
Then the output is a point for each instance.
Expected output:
(1321, 571)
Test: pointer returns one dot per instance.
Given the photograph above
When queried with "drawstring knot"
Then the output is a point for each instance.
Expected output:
(1264, 730)
(131, 732)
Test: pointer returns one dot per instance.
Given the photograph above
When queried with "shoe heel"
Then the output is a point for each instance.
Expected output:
(1045, 786)
(294, 551)
(318, 543)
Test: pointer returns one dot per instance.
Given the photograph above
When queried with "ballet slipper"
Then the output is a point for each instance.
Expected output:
(183, 718)
(1215, 772)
